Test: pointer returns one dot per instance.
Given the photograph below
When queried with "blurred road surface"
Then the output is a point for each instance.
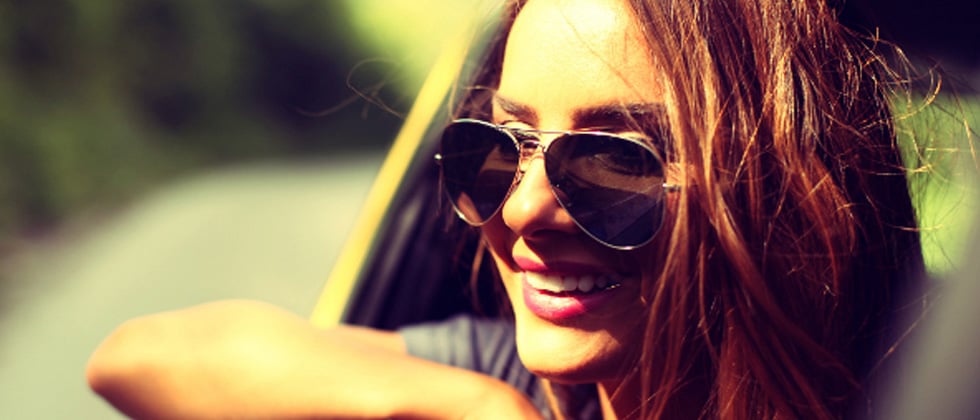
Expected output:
(268, 232)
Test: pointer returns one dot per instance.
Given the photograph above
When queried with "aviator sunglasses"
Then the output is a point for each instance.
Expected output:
(612, 186)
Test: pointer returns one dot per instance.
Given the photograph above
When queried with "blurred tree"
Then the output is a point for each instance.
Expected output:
(100, 100)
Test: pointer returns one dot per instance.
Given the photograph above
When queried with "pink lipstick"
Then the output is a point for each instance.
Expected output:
(561, 291)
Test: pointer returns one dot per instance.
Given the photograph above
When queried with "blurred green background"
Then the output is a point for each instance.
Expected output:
(100, 101)
(160, 153)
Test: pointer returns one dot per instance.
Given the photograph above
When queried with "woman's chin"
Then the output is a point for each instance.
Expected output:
(570, 355)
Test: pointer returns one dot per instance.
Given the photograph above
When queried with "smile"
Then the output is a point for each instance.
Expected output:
(558, 283)
(557, 298)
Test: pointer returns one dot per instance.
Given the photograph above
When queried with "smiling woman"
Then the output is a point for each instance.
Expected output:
(696, 209)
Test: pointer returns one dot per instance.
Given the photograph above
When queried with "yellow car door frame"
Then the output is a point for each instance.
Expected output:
(397, 265)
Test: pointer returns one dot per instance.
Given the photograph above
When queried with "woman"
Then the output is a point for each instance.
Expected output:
(699, 207)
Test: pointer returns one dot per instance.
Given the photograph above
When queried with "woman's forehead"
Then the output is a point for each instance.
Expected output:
(596, 23)
(562, 55)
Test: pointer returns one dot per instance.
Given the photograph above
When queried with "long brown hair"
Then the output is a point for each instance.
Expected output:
(793, 245)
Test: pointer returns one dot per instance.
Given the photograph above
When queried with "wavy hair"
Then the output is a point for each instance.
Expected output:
(793, 251)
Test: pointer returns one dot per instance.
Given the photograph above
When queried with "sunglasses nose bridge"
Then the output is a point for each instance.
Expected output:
(528, 149)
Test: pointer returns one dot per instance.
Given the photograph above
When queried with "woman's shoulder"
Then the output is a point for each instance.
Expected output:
(484, 345)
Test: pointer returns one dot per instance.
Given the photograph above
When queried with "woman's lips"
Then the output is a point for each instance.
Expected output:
(560, 267)
(567, 302)
(558, 291)
(570, 283)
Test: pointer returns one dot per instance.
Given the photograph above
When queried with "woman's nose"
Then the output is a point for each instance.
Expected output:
(531, 210)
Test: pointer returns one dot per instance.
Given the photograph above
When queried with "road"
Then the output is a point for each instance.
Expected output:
(267, 231)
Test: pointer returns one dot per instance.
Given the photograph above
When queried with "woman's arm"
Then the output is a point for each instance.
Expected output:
(240, 359)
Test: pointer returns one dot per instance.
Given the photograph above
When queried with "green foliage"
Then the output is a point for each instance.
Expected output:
(939, 136)
(100, 100)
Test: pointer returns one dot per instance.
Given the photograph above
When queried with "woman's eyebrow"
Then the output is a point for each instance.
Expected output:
(517, 110)
(617, 115)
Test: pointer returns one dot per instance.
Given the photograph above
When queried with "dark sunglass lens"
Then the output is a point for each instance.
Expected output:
(611, 186)
(478, 166)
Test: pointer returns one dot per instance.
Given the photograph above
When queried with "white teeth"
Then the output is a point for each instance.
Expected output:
(559, 284)
(544, 282)
(569, 284)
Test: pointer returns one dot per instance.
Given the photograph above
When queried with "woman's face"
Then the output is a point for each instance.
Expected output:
(570, 65)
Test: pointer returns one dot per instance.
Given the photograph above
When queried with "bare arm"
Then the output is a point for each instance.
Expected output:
(241, 359)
